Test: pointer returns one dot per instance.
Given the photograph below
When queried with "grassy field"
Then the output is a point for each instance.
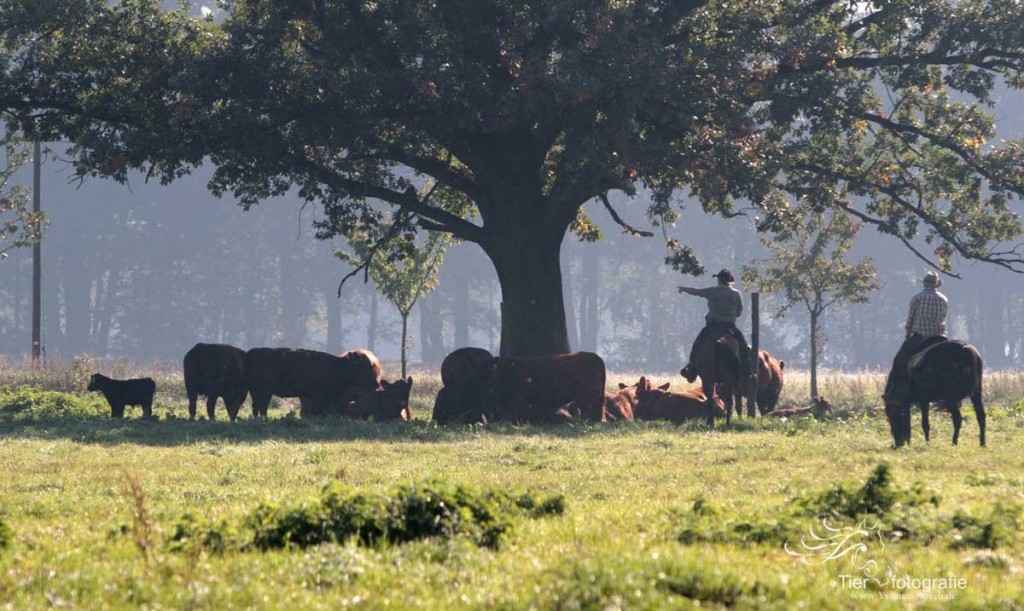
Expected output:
(328, 514)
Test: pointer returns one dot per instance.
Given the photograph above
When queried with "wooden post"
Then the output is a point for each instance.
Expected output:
(37, 264)
(755, 357)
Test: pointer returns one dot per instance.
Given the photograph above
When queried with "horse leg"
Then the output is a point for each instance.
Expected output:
(979, 413)
(906, 424)
(709, 393)
(924, 422)
(954, 410)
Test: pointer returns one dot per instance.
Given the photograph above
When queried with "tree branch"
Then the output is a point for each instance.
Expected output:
(626, 227)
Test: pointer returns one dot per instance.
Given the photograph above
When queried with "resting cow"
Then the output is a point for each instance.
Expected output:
(467, 376)
(659, 404)
(534, 389)
(819, 408)
(216, 370)
(389, 402)
(120, 393)
(621, 404)
(323, 382)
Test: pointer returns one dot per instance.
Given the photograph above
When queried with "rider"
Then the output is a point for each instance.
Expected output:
(926, 325)
(725, 304)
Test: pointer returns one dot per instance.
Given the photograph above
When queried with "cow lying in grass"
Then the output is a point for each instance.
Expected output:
(389, 402)
(660, 404)
(818, 409)
(120, 393)
(620, 405)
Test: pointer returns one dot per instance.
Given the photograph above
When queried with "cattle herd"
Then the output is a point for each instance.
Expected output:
(477, 387)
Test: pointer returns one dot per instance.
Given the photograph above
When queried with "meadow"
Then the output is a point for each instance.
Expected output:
(287, 513)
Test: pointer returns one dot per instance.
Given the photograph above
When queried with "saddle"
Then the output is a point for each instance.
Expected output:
(915, 360)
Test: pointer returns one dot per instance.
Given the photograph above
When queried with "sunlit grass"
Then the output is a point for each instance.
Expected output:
(91, 504)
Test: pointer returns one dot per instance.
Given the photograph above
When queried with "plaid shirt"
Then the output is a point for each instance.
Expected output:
(928, 313)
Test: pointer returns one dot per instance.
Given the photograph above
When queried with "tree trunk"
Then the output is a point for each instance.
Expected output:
(371, 330)
(589, 315)
(814, 355)
(571, 320)
(528, 263)
(405, 339)
(460, 309)
(334, 331)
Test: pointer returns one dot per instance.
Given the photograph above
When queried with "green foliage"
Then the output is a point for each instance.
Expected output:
(410, 513)
(19, 226)
(31, 403)
(877, 496)
(6, 535)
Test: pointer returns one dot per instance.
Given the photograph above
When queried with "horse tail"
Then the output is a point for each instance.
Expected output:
(727, 359)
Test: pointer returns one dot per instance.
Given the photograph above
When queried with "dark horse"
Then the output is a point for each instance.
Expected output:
(717, 361)
(947, 373)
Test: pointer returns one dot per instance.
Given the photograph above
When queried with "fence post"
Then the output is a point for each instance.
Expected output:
(755, 357)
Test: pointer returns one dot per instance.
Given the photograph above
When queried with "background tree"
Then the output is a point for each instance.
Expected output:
(808, 267)
(19, 225)
(531, 109)
(401, 280)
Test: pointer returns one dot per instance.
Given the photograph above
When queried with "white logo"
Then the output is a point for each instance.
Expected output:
(849, 542)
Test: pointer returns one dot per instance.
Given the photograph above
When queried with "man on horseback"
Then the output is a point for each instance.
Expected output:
(725, 304)
(926, 325)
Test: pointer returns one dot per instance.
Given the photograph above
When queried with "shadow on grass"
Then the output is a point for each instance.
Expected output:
(175, 431)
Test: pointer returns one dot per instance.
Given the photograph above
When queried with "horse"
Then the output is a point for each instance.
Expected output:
(946, 373)
(717, 361)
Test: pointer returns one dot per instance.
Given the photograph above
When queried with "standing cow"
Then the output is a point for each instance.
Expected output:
(216, 370)
(120, 393)
(324, 383)
(770, 379)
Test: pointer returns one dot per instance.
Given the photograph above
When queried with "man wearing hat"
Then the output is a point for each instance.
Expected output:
(725, 304)
(926, 325)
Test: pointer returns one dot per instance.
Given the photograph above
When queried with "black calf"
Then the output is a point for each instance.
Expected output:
(120, 393)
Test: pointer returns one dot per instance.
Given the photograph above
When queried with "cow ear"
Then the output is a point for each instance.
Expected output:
(782, 364)
(409, 380)
(384, 384)
(642, 383)
(665, 386)
(621, 386)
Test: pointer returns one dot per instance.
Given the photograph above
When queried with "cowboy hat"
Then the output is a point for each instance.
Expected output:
(932, 280)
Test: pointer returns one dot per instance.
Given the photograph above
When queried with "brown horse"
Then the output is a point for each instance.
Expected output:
(946, 373)
(717, 361)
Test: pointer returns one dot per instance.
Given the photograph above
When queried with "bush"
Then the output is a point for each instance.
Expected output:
(6, 535)
(410, 513)
(32, 403)
(877, 496)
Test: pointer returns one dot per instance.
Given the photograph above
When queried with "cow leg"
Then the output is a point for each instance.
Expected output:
(954, 409)
(147, 408)
(193, 396)
(232, 408)
(979, 413)
(260, 403)
(925, 426)
(211, 404)
(117, 410)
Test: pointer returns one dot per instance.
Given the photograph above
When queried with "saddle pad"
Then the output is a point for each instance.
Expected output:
(919, 356)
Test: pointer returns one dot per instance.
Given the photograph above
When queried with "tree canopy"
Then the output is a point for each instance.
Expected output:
(521, 112)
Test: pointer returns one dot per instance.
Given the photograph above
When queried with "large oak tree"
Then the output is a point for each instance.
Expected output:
(522, 111)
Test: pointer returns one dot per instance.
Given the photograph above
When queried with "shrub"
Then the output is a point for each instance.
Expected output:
(32, 403)
(6, 535)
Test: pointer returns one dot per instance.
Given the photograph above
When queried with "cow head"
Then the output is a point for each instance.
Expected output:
(96, 382)
(394, 400)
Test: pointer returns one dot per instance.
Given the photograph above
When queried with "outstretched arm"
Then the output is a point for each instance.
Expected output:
(688, 289)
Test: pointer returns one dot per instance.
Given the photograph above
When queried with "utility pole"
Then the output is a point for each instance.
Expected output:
(755, 357)
(37, 265)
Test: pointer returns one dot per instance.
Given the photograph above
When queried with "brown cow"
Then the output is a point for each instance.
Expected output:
(323, 382)
(365, 359)
(533, 389)
(467, 376)
(659, 404)
(818, 409)
(620, 405)
(769, 381)
(216, 370)
(389, 402)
